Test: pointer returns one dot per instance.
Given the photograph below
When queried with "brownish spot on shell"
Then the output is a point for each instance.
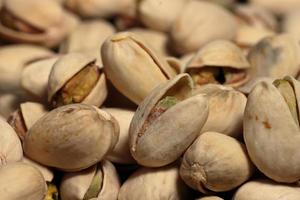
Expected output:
(267, 124)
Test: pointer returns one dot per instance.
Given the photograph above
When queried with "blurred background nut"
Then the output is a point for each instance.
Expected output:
(215, 162)
(132, 67)
(210, 198)
(277, 6)
(76, 78)
(72, 137)
(97, 182)
(167, 114)
(291, 23)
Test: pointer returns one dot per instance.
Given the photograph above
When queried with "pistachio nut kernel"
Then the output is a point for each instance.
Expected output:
(78, 87)
(16, 120)
(52, 192)
(95, 186)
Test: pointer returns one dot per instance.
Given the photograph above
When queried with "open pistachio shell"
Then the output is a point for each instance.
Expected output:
(154, 184)
(167, 114)
(10, 145)
(266, 189)
(226, 109)
(20, 181)
(277, 6)
(221, 62)
(127, 60)
(272, 136)
(72, 137)
(99, 182)
(199, 23)
(121, 153)
(215, 162)
(75, 78)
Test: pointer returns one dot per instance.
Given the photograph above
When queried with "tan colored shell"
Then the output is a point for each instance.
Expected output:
(199, 23)
(72, 137)
(179, 125)
(127, 60)
(9, 103)
(69, 65)
(226, 109)
(10, 145)
(160, 15)
(277, 6)
(154, 184)
(210, 198)
(267, 190)
(121, 153)
(32, 112)
(20, 181)
(75, 185)
(35, 75)
(215, 162)
(53, 22)
(177, 64)
(291, 24)
(274, 153)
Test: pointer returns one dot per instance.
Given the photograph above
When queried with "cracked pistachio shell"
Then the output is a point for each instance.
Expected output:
(291, 23)
(67, 67)
(272, 137)
(13, 59)
(176, 64)
(210, 198)
(277, 6)
(226, 109)
(10, 145)
(72, 137)
(221, 55)
(34, 77)
(268, 190)
(160, 15)
(215, 162)
(20, 181)
(199, 23)
(127, 60)
(121, 153)
(47, 27)
(74, 186)
(154, 184)
(157, 120)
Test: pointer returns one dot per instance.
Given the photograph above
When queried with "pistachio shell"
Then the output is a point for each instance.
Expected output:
(72, 137)
(149, 131)
(20, 181)
(226, 109)
(176, 64)
(290, 24)
(268, 190)
(127, 60)
(160, 15)
(210, 198)
(9, 103)
(215, 162)
(10, 145)
(154, 184)
(277, 6)
(67, 67)
(199, 23)
(121, 153)
(274, 153)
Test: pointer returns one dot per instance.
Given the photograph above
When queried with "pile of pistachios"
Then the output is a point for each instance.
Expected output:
(149, 100)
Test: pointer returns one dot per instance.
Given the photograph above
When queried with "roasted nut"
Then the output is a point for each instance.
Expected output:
(167, 114)
(72, 137)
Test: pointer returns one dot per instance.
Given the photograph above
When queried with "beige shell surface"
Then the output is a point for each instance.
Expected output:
(274, 153)
(32, 112)
(205, 16)
(10, 144)
(290, 23)
(268, 190)
(72, 137)
(215, 162)
(160, 15)
(182, 121)
(34, 78)
(154, 184)
(226, 109)
(127, 60)
(277, 6)
(20, 181)
(121, 153)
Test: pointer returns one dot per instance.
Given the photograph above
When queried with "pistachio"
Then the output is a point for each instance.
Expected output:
(189, 32)
(9, 103)
(20, 181)
(72, 137)
(290, 23)
(127, 60)
(219, 62)
(167, 112)
(272, 138)
(75, 78)
(100, 182)
(215, 162)
(154, 184)
(277, 6)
